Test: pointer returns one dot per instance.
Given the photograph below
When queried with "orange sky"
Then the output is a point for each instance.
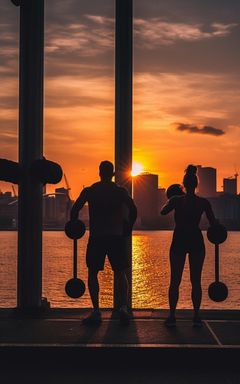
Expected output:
(186, 77)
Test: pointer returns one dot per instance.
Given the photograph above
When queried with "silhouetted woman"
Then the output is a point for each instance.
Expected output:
(187, 238)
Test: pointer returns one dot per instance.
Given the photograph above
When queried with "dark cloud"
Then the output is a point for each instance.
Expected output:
(205, 130)
(193, 10)
(80, 37)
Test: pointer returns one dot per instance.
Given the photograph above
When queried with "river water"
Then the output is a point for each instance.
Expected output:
(150, 271)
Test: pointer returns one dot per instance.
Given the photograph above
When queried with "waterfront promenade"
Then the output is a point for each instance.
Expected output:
(57, 348)
(62, 328)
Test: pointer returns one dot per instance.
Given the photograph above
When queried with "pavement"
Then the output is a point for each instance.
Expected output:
(57, 345)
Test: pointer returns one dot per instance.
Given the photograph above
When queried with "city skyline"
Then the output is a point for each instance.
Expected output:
(137, 170)
(75, 88)
(148, 197)
(186, 81)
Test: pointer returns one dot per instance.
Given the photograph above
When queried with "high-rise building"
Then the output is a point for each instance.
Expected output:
(8, 210)
(207, 177)
(49, 210)
(162, 198)
(145, 194)
(63, 205)
(230, 185)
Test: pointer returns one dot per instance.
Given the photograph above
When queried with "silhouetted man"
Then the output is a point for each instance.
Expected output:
(108, 204)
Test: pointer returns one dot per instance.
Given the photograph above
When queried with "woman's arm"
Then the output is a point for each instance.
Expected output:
(209, 213)
(169, 206)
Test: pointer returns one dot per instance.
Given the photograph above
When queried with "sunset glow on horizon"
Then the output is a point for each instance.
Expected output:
(186, 87)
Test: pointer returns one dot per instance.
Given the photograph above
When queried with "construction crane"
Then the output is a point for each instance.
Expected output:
(235, 176)
(236, 172)
(68, 187)
(233, 186)
(69, 204)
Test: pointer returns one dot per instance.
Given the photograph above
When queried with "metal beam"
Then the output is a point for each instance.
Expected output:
(123, 106)
(30, 148)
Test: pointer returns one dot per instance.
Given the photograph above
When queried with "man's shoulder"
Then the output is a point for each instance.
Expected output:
(84, 192)
(100, 188)
(94, 186)
(108, 188)
(121, 189)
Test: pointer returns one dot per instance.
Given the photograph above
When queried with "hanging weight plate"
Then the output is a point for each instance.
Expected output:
(75, 229)
(217, 234)
(218, 291)
(75, 288)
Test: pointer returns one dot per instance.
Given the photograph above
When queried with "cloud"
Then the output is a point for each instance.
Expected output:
(156, 32)
(189, 74)
(91, 36)
(165, 98)
(205, 130)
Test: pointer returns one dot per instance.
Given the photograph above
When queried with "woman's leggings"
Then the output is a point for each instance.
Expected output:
(177, 261)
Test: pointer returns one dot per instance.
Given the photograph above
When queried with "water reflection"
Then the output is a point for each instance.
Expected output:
(150, 271)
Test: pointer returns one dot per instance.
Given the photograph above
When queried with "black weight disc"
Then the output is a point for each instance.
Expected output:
(75, 229)
(75, 288)
(174, 190)
(218, 291)
(217, 234)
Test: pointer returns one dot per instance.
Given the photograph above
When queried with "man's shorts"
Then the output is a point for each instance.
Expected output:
(115, 247)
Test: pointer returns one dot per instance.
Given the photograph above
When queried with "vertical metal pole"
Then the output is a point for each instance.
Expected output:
(217, 262)
(30, 148)
(123, 107)
(75, 258)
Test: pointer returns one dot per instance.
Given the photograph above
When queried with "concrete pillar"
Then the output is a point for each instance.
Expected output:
(29, 281)
(123, 105)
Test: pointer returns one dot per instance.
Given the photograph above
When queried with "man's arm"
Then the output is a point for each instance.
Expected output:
(79, 203)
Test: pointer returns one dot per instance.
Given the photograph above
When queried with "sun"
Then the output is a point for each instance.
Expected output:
(137, 168)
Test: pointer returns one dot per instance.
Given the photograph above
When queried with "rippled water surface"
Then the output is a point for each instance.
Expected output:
(150, 271)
